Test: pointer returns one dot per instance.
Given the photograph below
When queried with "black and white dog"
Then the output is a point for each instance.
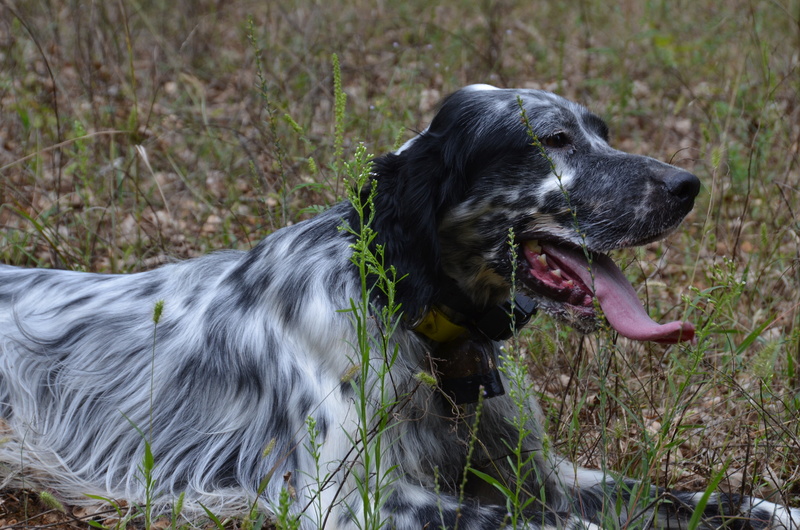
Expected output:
(251, 344)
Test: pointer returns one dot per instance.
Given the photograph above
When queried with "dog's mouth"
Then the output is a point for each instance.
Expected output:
(571, 282)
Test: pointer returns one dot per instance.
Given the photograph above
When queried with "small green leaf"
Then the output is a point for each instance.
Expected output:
(492, 481)
(214, 519)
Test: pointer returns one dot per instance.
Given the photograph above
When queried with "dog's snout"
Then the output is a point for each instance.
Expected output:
(682, 184)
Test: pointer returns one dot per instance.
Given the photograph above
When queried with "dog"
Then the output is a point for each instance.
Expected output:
(240, 372)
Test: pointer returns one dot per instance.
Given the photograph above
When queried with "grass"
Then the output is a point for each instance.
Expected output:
(133, 133)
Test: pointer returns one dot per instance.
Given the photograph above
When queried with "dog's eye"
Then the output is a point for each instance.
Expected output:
(556, 141)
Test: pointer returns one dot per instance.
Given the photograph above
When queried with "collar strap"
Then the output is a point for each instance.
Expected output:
(503, 320)
(498, 323)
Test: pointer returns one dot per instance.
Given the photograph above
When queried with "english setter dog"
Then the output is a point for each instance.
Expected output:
(250, 345)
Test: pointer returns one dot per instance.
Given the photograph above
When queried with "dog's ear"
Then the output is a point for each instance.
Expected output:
(473, 133)
(407, 212)
(415, 187)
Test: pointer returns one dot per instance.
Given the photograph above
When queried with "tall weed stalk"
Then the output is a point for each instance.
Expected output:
(375, 353)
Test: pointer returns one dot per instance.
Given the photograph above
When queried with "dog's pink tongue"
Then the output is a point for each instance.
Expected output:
(620, 304)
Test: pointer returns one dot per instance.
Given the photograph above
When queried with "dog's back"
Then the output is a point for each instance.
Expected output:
(87, 373)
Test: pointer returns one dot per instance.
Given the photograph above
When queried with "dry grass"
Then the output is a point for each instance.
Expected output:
(133, 133)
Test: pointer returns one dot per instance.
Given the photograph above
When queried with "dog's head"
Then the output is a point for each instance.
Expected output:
(526, 169)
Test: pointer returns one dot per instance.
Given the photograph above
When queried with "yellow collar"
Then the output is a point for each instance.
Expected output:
(496, 323)
(437, 327)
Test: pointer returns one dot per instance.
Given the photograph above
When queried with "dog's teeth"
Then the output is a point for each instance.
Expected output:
(534, 246)
(556, 273)
(569, 283)
(543, 259)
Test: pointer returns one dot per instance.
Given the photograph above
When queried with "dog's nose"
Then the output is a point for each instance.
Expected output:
(682, 184)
